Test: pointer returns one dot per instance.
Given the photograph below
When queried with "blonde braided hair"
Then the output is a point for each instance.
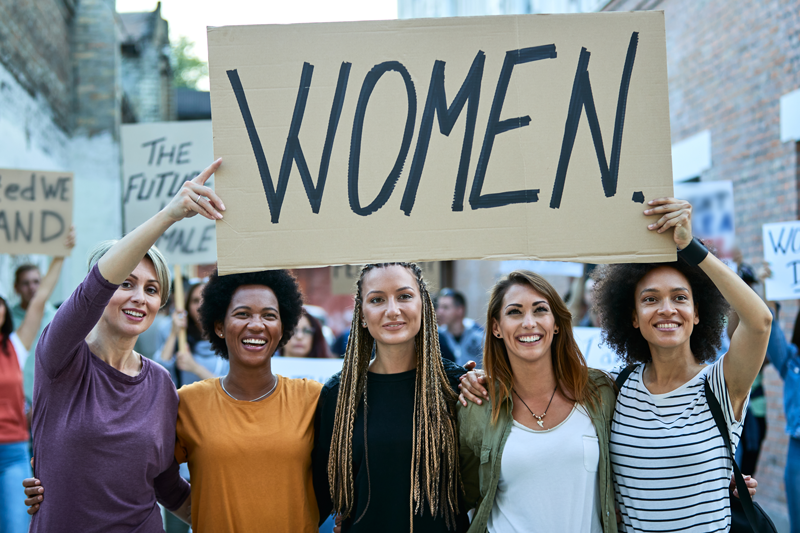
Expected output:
(435, 476)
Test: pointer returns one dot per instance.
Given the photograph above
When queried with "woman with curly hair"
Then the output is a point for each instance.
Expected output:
(667, 320)
(387, 455)
(541, 438)
(248, 436)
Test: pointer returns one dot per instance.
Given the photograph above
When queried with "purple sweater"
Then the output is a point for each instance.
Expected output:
(104, 442)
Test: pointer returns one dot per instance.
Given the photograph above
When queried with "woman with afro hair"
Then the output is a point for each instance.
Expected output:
(671, 465)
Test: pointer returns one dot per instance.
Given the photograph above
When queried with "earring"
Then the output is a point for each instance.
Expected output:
(497, 335)
(364, 324)
(555, 332)
(221, 336)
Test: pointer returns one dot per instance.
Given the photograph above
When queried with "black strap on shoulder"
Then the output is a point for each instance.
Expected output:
(744, 494)
(623, 376)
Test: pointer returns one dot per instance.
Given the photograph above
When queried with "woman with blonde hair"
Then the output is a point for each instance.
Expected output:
(540, 440)
(387, 452)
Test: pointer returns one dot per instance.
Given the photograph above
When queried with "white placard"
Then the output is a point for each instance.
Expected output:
(304, 367)
(712, 212)
(595, 351)
(782, 252)
(158, 157)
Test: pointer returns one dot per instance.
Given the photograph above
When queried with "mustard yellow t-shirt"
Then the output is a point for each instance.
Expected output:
(250, 462)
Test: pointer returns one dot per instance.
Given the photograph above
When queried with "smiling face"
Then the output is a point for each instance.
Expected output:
(301, 342)
(526, 325)
(134, 305)
(252, 328)
(665, 312)
(392, 305)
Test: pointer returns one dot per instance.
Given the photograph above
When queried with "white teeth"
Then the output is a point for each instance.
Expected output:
(532, 338)
(257, 342)
(667, 326)
(134, 313)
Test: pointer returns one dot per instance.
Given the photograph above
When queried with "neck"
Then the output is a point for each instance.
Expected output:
(457, 327)
(393, 359)
(23, 304)
(670, 367)
(114, 349)
(533, 379)
(249, 383)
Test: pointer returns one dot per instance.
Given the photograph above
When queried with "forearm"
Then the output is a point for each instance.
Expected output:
(169, 347)
(117, 264)
(202, 372)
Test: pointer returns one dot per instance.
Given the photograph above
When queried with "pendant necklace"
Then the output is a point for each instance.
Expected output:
(534, 415)
(256, 399)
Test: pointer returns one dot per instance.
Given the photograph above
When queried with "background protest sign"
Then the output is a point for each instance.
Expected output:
(515, 137)
(158, 157)
(35, 211)
(595, 351)
(782, 252)
(304, 367)
(712, 212)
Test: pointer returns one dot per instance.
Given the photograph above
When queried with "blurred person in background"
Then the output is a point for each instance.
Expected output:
(308, 339)
(14, 349)
(463, 336)
(27, 279)
(201, 361)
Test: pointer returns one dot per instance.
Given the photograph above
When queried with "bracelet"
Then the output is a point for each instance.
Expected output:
(694, 253)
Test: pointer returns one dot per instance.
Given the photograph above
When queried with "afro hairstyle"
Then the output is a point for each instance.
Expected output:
(219, 291)
(615, 303)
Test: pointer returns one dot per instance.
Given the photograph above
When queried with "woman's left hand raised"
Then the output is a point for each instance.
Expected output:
(673, 213)
(194, 197)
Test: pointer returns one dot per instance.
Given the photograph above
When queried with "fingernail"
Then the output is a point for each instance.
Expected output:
(219, 216)
(650, 202)
(651, 226)
(222, 206)
(479, 401)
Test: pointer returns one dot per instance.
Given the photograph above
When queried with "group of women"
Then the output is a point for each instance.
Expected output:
(545, 446)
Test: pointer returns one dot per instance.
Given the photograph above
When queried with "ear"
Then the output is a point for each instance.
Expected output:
(496, 329)
(219, 329)
(696, 316)
(635, 320)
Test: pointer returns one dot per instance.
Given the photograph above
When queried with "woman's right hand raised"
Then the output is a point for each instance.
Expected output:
(179, 321)
(194, 197)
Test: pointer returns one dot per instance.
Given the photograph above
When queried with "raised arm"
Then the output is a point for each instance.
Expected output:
(33, 316)
(749, 341)
(193, 198)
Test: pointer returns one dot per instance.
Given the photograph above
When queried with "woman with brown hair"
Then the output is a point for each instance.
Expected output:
(308, 339)
(387, 452)
(540, 441)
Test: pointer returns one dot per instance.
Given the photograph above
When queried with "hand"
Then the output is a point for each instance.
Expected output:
(185, 361)
(34, 493)
(337, 528)
(69, 242)
(179, 321)
(763, 272)
(473, 387)
(674, 214)
(749, 481)
(194, 197)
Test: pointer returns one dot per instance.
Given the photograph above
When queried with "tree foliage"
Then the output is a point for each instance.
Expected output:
(188, 69)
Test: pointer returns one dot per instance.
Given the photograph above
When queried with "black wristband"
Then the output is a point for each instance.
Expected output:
(694, 253)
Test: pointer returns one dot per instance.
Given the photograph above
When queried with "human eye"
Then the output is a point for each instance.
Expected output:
(406, 296)
(541, 309)
(152, 290)
(375, 300)
(513, 311)
(682, 298)
(126, 284)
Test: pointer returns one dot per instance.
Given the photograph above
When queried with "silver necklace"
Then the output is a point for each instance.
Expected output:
(537, 417)
(222, 383)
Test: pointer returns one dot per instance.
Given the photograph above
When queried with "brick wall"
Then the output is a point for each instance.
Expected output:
(729, 64)
(35, 49)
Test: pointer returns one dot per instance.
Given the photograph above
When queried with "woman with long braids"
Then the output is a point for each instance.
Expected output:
(387, 447)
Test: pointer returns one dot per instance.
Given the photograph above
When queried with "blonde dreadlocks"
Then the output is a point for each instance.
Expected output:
(434, 460)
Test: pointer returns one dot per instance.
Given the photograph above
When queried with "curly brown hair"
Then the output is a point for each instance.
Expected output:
(615, 303)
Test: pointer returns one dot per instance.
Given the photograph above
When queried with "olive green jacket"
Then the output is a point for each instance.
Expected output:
(482, 443)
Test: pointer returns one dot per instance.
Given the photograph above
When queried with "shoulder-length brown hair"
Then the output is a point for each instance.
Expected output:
(319, 346)
(569, 366)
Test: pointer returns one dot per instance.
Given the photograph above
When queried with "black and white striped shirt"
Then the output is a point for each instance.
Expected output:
(671, 468)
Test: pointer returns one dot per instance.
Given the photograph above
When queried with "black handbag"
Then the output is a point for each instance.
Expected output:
(746, 515)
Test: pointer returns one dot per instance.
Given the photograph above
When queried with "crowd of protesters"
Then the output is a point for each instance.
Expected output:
(538, 441)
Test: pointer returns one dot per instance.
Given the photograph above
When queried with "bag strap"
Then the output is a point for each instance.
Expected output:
(741, 486)
(623, 376)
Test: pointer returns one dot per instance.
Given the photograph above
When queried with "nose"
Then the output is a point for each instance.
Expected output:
(529, 320)
(137, 295)
(666, 307)
(392, 308)
(256, 323)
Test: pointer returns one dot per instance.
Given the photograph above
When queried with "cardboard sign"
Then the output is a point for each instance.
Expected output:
(35, 211)
(302, 367)
(509, 137)
(782, 252)
(712, 212)
(344, 277)
(158, 157)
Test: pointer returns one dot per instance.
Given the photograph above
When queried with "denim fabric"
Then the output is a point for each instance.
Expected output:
(784, 356)
(15, 465)
(792, 479)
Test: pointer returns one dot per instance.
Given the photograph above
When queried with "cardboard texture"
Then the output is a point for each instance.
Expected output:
(782, 252)
(158, 157)
(35, 211)
(344, 277)
(508, 137)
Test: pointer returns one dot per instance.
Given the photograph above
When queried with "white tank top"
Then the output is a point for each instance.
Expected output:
(548, 479)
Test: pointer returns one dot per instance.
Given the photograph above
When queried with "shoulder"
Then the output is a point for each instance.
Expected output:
(160, 373)
(453, 372)
(302, 387)
(331, 387)
(606, 388)
(197, 389)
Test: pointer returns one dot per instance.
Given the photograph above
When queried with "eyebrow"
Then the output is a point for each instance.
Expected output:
(401, 289)
(247, 308)
(676, 289)
(134, 276)
(532, 305)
